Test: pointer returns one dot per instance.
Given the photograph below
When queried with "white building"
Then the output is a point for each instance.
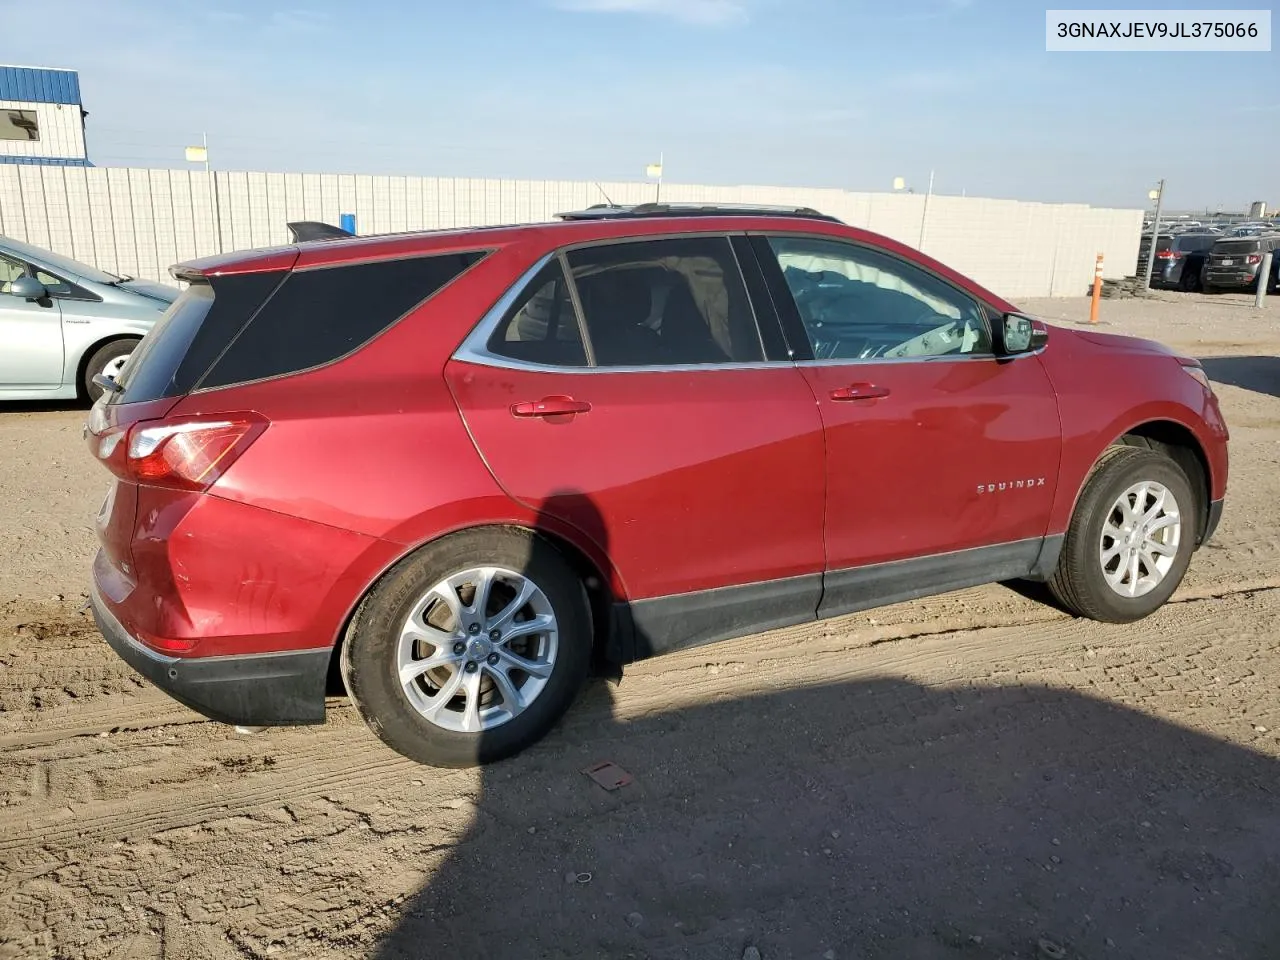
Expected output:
(41, 117)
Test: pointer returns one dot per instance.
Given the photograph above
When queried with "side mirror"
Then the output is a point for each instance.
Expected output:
(28, 288)
(1021, 334)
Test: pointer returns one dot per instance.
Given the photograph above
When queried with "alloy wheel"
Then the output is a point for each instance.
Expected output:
(1140, 539)
(477, 649)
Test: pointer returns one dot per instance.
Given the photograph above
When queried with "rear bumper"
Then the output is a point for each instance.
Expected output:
(262, 689)
(1230, 277)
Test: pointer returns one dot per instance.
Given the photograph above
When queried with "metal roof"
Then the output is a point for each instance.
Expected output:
(47, 161)
(39, 85)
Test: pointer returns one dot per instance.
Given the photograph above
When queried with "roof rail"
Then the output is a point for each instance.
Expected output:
(607, 211)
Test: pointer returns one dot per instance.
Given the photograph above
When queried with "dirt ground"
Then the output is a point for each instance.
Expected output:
(972, 776)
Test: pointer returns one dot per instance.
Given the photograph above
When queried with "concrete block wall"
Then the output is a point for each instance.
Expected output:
(60, 127)
(141, 221)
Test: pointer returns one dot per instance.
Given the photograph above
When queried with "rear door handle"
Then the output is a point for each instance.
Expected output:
(859, 391)
(550, 407)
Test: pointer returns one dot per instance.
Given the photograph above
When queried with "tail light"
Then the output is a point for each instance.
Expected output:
(1253, 258)
(1169, 255)
(187, 454)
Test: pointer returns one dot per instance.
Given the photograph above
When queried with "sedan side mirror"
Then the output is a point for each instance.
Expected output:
(28, 288)
(1021, 334)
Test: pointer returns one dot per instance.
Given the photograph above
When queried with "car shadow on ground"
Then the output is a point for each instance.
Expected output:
(1260, 374)
(873, 818)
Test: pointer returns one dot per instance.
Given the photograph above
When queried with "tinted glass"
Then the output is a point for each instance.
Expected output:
(317, 316)
(542, 327)
(859, 304)
(665, 302)
(1230, 247)
(190, 334)
(149, 373)
(1196, 244)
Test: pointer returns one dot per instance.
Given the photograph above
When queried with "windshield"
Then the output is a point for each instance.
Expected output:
(56, 262)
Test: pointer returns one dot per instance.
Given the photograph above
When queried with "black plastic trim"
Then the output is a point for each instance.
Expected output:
(784, 303)
(1047, 562)
(647, 628)
(879, 584)
(268, 689)
(1212, 521)
(663, 624)
(767, 322)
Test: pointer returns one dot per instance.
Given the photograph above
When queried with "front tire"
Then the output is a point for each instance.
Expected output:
(471, 649)
(1130, 539)
(108, 359)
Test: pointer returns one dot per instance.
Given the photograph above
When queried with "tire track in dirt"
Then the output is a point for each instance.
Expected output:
(319, 762)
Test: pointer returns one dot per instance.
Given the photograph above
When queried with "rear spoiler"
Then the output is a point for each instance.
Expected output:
(304, 230)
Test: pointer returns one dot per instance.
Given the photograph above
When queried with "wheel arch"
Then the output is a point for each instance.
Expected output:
(596, 581)
(1181, 445)
(1176, 441)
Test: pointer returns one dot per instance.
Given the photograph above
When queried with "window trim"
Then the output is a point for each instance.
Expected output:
(793, 325)
(475, 346)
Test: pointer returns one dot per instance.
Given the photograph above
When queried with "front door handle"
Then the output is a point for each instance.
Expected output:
(859, 391)
(550, 407)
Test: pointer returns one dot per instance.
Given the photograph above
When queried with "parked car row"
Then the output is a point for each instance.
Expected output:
(1209, 262)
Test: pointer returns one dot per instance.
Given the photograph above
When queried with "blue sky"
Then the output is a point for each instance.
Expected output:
(841, 93)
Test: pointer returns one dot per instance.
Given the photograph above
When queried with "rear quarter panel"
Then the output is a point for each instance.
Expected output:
(374, 443)
(1109, 385)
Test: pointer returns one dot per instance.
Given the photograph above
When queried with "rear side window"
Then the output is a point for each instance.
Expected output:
(542, 327)
(665, 302)
(317, 316)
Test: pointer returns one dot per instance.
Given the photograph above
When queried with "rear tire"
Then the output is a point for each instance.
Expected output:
(1097, 575)
(484, 717)
(1190, 281)
(107, 359)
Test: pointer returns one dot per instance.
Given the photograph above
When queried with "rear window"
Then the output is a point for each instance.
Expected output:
(1196, 244)
(1237, 246)
(319, 315)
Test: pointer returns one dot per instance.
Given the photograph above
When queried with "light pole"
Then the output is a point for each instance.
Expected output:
(1158, 196)
(924, 213)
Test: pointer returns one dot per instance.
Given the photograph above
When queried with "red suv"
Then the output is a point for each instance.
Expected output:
(459, 467)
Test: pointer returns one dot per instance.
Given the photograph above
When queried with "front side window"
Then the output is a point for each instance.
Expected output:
(665, 302)
(55, 285)
(859, 304)
(10, 270)
(19, 125)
